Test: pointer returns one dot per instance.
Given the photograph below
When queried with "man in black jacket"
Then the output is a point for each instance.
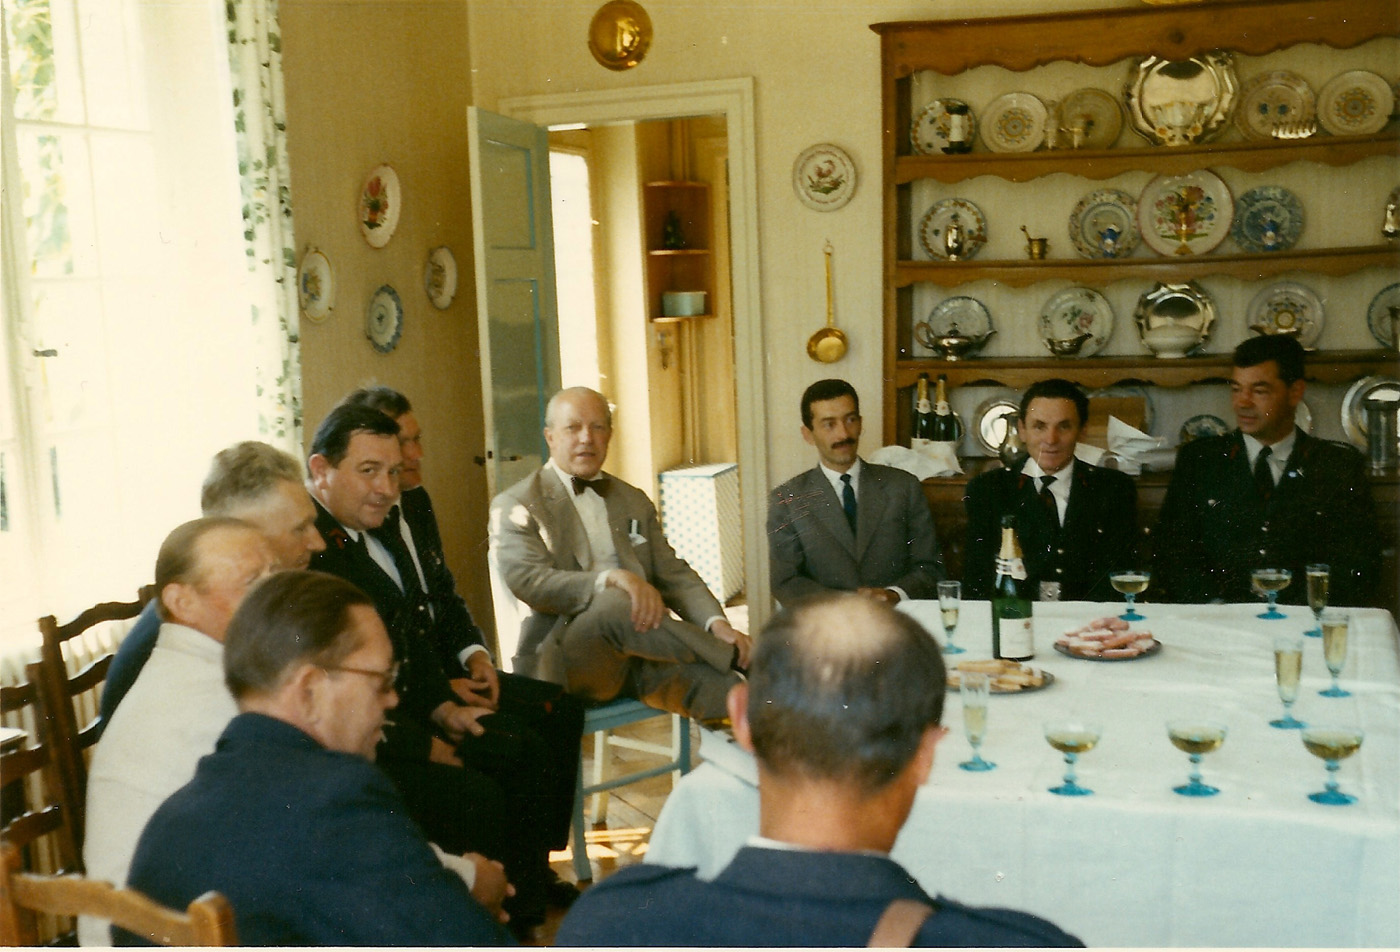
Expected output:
(1265, 496)
(1075, 522)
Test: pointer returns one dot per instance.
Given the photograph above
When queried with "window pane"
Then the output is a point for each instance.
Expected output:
(111, 48)
(29, 28)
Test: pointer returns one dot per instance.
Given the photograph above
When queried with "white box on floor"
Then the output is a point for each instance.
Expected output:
(700, 516)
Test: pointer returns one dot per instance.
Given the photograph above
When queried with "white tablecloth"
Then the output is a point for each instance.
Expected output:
(1136, 864)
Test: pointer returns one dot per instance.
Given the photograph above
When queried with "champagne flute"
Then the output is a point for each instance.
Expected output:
(1332, 744)
(1269, 582)
(1319, 586)
(1288, 668)
(1130, 583)
(1334, 647)
(1072, 737)
(949, 602)
(1196, 737)
(975, 690)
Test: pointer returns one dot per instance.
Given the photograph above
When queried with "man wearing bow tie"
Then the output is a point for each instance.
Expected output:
(584, 551)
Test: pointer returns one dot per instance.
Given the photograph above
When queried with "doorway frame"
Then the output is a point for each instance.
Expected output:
(734, 100)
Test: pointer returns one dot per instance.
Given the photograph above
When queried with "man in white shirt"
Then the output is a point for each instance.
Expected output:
(585, 552)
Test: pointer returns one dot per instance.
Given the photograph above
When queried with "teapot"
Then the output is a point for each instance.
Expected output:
(951, 345)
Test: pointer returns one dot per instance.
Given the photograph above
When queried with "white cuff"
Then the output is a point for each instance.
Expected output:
(460, 865)
(467, 652)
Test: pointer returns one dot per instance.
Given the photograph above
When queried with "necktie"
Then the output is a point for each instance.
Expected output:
(599, 485)
(1264, 473)
(1047, 498)
(392, 538)
(848, 499)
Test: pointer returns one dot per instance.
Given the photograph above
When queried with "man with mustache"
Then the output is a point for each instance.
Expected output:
(1265, 496)
(848, 524)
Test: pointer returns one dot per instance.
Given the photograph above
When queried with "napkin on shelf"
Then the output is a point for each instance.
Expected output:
(937, 459)
(1134, 451)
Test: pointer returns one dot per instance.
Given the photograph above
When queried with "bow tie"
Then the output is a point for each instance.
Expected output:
(598, 485)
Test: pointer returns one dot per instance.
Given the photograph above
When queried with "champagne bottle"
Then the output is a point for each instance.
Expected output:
(924, 422)
(946, 427)
(1012, 637)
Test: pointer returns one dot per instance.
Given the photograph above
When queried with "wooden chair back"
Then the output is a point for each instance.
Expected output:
(64, 729)
(208, 921)
(33, 810)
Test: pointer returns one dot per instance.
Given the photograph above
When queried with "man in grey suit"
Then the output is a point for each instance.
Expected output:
(847, 524)
(584, 551)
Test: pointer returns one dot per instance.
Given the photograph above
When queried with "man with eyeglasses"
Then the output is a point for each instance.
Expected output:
(288, 819)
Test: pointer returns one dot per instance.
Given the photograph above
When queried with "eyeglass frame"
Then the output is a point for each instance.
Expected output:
(387, 679)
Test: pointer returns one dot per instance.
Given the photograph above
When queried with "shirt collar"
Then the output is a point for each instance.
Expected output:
(1279, 451)
(1032, 469)
(833, 477)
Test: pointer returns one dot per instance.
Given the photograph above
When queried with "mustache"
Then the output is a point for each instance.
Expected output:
(837, 446)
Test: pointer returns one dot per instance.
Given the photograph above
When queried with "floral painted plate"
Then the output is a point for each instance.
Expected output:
(1202, 424)
(315, 286)
(1089, 119)
(1267, 218)
(1073, 313)
(930, 132)
(824, 177)
(380, 206)
(1287, 308)
(1356, 103)
(1273, 99)
(1185, 214)
(1014, 122)
(934, 228)
(1104, 224)
(384, 319)
(1383, 317)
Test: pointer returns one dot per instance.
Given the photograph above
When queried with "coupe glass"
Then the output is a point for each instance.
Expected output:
(949, 601)
(976, 689)
(1269, 582)
(1332, 744)
(1196, 737)
(1130, 584)
(1319, 586)
(1334, 647)
(1072, 738)
(1288, 668)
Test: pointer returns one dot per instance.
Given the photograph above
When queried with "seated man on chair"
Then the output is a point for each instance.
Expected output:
(584, 551)
(844, 730)
(288, 818)
(849, 525)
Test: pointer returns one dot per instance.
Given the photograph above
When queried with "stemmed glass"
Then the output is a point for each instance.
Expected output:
(1269, 582)
(1319, 586)
(975, 688)
(1072, 738)
(1130, 584)
(1334, 647)
(1196, 737)
(1288, 668)
(1332, 744)
(949, 600)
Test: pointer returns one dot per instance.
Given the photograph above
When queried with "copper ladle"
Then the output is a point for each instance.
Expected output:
(827, 345)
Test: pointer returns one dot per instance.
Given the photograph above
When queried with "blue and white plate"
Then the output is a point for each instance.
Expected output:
(1203, 424)
(1287, 308)
(1267, 218)
(384, 319)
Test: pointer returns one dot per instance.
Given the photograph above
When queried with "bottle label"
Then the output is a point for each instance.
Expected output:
(942, 409)
(1017, 638)
(926, 407)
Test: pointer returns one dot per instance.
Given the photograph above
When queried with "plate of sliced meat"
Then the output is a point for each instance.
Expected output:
(1107, 639)
(1005, 677)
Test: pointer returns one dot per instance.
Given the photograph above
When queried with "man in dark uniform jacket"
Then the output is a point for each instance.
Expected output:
(843, 730)
(473, 778)
(1075, 529)
(1266, 496)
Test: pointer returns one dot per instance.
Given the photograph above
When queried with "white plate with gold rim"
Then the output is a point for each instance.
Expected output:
(1273, 99)
(1355, 103)
(1014, 122)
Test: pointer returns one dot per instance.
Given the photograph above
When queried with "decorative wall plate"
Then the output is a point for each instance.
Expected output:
(1178, 102)
(1104, 224)
(1383, 317)
(1185, 214)
(1273, 99)
(1267, 218)
(1354, 423)
(384, 319)
(315, 286)
(929, 133)
(961, 316)
(1287, 308)
(933, 229)
(1202, 424)
(1014, 122)
(824, 177)
(989, 424)
(1092, 117)
(440, 277)
(1356, 103)
(619, 34)
(1073, 313)
(1174, 319)
(380, 204)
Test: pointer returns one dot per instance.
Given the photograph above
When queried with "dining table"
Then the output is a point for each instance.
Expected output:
(1135, 863)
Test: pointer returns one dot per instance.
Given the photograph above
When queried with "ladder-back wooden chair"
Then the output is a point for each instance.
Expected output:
(65, 729)
(30, 784)
(208, 921)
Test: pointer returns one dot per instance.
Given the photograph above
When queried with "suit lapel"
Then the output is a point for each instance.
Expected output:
(561, 514)
(870, 507)
(829, 513)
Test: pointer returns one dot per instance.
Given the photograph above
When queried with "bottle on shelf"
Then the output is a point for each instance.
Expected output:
(947, 428)
(1012, 635)
(924, 425)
